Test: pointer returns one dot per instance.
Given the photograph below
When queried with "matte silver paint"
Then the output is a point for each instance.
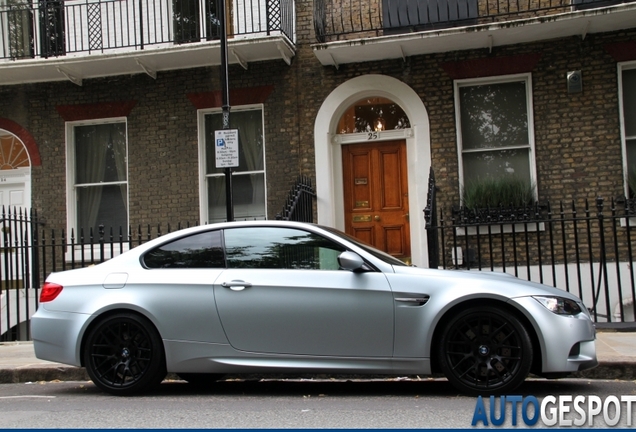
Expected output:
(272, 320)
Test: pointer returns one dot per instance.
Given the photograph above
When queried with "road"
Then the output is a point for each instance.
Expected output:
(270, 404)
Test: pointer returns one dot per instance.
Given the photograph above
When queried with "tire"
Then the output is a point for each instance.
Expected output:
(485, 350)
(200, 380)
(123, 354)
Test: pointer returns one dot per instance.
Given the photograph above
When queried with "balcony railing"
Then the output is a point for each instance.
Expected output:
(54, 28)
(340, 19)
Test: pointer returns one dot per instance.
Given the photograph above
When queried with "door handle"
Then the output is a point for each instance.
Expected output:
(236, 285)
(407, 216)
(377, 218)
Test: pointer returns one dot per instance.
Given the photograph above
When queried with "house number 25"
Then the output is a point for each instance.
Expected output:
(372, 136)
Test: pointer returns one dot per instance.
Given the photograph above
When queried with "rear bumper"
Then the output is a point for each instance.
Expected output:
(56, 336)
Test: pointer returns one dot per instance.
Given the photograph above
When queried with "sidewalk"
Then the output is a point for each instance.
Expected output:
(616, 352)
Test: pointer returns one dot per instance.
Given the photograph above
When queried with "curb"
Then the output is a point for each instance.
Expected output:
(33, 374)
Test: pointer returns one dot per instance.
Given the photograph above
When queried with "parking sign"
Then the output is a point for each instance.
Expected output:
(226, 148)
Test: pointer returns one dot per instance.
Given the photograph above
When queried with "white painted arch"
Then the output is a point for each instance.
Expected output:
(329, 187)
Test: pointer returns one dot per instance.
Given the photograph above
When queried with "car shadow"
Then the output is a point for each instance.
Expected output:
(308, 387)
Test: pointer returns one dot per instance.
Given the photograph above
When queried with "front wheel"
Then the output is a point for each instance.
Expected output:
(485, 350)
(123, 354)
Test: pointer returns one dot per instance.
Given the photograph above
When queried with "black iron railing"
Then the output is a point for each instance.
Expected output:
(299, 205)
(339, 19)
(53, 28)
(586, 249)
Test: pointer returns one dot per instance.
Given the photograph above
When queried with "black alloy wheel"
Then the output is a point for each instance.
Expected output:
(485, 350)
(123, 354)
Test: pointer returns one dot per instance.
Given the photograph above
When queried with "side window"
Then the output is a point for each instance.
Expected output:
(280, 248)
(203, 250)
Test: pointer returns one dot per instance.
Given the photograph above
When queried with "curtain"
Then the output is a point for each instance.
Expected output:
(91, 145)
(251, 144)
(119, 148)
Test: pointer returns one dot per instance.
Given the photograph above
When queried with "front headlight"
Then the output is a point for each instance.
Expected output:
(559, 305)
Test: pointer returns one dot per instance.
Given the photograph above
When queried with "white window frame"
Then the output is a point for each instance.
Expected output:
(203, 176)
(527, 78)
(620, 68)
(71, 197)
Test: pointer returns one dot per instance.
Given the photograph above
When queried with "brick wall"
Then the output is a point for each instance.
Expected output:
(577, 136)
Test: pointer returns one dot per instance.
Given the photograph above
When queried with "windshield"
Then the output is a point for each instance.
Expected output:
(389, 259)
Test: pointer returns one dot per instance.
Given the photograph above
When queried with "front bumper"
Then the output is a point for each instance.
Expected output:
(567, 342)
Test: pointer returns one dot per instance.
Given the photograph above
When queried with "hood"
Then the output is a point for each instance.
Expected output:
(488, 278)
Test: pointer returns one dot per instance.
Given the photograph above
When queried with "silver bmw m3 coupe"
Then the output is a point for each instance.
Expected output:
(292, 298)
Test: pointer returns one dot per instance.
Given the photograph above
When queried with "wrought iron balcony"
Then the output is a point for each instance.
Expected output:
(341, 20)
(349, 31)
(53, 28)
(91, 38)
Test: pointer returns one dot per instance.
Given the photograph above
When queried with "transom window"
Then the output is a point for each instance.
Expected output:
(495, 141)
(248, 179)
(373, 114)
(97, 175)
(628, 111)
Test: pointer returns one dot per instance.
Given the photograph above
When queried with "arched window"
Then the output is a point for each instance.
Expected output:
(373, 114)
(13, 154)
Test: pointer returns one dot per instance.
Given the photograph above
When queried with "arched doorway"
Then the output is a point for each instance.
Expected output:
(329, 155)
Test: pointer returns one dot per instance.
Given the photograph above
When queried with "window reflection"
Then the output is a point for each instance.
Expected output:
(279, 248)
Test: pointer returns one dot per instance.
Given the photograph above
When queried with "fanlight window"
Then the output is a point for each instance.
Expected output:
(12, 153)
(373, 114)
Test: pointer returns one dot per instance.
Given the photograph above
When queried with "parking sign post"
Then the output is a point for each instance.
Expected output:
(229, 203)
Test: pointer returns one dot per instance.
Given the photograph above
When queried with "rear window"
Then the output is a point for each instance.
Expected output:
(203, 250)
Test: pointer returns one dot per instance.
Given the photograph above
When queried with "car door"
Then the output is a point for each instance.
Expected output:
(283, 293)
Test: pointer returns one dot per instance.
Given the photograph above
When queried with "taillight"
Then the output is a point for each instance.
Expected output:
(50, 291)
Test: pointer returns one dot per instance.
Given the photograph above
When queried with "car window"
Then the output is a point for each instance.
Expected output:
(203, 250)
(280, 248)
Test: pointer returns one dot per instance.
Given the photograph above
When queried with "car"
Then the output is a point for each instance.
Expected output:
(279, 297)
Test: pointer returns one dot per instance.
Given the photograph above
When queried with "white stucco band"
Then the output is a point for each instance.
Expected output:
(329, 185)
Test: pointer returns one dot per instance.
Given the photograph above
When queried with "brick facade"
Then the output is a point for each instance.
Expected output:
(577, 136)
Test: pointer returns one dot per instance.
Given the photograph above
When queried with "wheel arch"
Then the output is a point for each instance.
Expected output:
(110, 312)
(447, 316)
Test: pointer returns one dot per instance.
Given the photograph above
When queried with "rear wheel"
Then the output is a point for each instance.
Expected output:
(123, 354)
(485, 350)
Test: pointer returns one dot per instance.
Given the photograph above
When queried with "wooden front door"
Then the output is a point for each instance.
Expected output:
(376, 196)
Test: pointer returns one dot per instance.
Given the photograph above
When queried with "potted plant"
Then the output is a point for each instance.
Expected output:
(497, 199)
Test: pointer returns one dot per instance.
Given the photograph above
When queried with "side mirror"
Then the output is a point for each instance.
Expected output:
(351, 261)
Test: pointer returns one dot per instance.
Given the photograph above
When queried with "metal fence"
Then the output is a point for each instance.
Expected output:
(587, 250)
(338, 19)
(299, 205)
(53, 28)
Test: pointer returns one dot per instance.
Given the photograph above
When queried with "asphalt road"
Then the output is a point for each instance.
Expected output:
(272, 404)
